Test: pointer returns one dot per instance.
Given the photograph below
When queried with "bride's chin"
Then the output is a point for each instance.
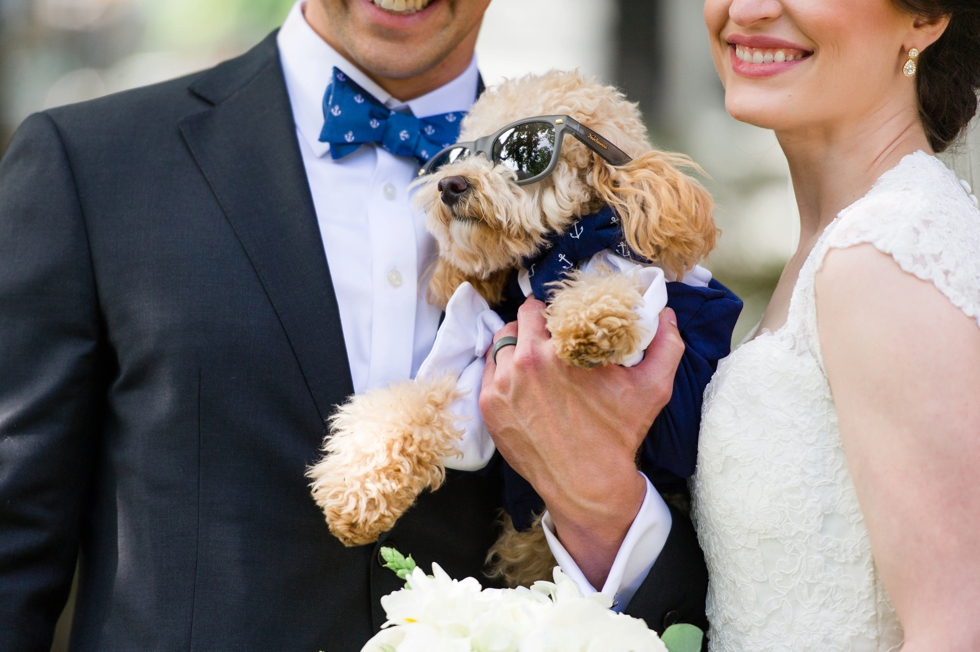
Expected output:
(756, 113)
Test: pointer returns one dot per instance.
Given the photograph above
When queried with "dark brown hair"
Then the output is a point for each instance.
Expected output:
(949, 69)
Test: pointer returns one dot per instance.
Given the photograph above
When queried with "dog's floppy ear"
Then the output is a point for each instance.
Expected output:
(666, 214)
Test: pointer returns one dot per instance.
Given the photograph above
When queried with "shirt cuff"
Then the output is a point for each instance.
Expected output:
(637, 554)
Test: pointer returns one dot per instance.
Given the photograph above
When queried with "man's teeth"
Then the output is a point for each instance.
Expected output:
(755, 55)
(402, 6)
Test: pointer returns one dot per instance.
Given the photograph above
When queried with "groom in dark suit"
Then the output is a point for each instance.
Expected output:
(183, 301)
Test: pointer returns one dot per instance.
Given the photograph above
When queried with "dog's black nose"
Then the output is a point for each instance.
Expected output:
(453, 189)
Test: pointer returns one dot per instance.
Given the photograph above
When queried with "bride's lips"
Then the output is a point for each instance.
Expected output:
(764, 56)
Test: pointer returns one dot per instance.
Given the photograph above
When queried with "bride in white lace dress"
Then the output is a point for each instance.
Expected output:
(836, 496)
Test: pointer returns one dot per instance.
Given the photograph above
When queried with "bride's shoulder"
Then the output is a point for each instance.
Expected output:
(918, 201)
(926, 220)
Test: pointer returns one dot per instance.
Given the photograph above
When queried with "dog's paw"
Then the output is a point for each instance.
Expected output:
(593, 320)
(384, 448)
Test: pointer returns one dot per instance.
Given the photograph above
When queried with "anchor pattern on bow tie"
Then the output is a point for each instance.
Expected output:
(353, 117)
(563, 252)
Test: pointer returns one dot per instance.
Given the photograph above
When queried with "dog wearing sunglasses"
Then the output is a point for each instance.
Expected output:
(544, 151)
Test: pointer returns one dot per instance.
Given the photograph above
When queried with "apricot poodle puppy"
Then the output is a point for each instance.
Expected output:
(388, 445)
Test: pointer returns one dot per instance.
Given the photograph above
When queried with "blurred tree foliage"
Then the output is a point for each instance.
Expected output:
(200, 25)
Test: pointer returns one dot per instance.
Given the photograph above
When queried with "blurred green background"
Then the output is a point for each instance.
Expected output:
(54, 52)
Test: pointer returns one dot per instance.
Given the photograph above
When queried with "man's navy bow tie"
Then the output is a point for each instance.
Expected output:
(353, 117)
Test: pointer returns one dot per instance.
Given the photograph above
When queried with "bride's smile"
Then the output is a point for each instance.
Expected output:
(763, 56)
(797, 63)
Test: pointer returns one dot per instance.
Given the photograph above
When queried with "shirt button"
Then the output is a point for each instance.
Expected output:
(389, 190)
(966, 187)
(394, 278)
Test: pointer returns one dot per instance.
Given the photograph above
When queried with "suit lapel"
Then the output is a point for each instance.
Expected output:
(246, 147)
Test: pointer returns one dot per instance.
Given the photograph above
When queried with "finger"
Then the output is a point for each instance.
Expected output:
(666, 350)
(509, 329)
(531, 322)
(491, 377)
(488, 371)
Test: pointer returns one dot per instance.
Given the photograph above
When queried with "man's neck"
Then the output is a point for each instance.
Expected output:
(402, 89)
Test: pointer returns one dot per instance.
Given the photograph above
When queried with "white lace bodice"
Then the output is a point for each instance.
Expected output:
(775, 508)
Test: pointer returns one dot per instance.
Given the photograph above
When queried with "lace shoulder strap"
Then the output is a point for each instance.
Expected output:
(921, 215)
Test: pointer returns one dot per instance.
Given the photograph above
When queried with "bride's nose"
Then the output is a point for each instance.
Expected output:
(746, 13)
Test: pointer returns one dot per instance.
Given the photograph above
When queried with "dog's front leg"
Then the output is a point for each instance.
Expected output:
(384, 448)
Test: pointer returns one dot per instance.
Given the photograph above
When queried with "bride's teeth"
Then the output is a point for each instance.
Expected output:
(764, 56)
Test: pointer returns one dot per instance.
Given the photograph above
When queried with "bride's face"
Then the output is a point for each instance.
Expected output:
(787, 64)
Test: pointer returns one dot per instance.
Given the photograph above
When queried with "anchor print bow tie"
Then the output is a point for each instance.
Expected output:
(353, 117)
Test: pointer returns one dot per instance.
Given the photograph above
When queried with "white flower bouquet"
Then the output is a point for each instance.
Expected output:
(439, 614)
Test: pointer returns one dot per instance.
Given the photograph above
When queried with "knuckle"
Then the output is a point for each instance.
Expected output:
(680, 347)
(527, 358)
(664, 391)
(500, 386)
(486, 402)
(530, 306)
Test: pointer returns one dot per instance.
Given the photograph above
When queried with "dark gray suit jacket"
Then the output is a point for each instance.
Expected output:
(169, 349)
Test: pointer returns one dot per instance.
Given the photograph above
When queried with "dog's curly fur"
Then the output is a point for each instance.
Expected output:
(387, 446)
(520, 558)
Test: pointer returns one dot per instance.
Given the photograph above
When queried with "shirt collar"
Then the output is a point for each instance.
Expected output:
(308, 63)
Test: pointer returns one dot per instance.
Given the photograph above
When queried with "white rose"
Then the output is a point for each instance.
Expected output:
(439, 614)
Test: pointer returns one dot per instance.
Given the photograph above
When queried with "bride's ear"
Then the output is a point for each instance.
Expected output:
(926, 30)
(667, 215)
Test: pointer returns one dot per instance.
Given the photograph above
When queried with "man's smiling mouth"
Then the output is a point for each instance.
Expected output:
(402, 6)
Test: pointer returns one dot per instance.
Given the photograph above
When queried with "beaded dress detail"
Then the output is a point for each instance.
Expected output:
(775, 507)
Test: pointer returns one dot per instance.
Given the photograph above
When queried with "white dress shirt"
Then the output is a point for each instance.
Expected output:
(377, 249)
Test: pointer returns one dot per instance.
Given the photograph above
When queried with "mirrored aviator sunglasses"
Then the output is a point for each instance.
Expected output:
(530, 148)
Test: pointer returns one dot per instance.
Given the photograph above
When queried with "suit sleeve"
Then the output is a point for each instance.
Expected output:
(51, 392)
(676, 587)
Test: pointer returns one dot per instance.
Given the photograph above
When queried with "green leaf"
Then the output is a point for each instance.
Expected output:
(683, 638)
(397, 562)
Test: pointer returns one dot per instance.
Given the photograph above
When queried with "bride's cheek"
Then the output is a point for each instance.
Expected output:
(715, 15)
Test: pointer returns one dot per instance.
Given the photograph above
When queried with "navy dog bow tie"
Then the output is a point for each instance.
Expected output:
(353, 117)
(562, 253)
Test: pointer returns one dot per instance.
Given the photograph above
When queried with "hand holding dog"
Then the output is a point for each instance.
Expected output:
(573, 433)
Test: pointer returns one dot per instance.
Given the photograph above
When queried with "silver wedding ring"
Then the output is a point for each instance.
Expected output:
(510, 340)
